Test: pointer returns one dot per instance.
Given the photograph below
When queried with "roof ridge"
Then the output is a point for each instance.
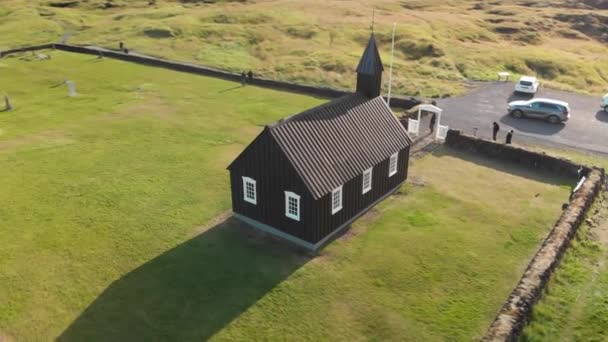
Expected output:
(334, 142)
(312, 110)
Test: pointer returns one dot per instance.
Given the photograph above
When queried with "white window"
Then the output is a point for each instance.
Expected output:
(249, 191)
(336, 200)
(292, 205)
(392, 165)
(367, 180)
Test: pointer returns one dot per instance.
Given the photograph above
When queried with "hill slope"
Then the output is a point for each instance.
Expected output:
(439, 44)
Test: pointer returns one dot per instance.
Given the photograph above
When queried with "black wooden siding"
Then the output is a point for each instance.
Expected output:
(267, 165)
(369, 85)
(264, 161)
(353, 202)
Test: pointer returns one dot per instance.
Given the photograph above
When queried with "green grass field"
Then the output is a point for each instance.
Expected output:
(439, 44)
(97, 185)
(574, 306)
(114, 222)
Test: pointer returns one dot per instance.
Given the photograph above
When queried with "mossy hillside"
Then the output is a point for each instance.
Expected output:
(439, 44)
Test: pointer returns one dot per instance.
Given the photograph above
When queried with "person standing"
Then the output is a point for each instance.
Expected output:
(580, 172)
(250, 76)
(509, 137)
(243, 79)
(432, 122)
(495, 129)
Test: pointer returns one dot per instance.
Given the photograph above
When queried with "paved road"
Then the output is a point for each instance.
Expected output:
(587, 128)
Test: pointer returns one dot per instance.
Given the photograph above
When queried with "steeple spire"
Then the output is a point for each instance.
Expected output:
(369, 70)
(373, 18)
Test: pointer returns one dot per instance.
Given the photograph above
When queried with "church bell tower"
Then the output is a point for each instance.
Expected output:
(369, 71)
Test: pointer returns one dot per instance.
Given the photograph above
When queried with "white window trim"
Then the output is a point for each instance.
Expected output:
(336, 190)
(395, 156)
(288, 195)
(253, 200)
(369, 173)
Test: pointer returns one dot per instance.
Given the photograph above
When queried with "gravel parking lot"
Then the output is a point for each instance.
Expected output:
(587, 128)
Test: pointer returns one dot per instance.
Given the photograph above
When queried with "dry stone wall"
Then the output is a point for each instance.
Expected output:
(516, 311)
(396, 101)
(531, 159)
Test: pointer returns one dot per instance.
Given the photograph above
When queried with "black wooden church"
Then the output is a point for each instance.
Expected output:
(306, 177)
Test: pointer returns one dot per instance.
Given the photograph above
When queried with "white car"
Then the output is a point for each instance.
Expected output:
(527, 84)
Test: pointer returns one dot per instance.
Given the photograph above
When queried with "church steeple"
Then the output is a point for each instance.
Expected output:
(369, 70)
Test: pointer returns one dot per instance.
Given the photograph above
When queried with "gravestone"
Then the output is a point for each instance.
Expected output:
(7, 103)
(71, 88)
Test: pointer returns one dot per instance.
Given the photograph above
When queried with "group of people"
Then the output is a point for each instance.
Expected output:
(245, 78)
(496, 129)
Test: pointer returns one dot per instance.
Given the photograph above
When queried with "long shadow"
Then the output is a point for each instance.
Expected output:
(230, 89)
(515, 96)
(506, 166)
(531, 125)
(601, 116)
(191, 291)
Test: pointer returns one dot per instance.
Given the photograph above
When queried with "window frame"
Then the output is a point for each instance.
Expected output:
(296, 197)
(335, 191)
(368, 173)
(249, 180)
(394, 156)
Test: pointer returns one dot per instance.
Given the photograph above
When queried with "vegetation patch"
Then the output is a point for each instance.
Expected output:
(64, 4)
(592, 25)
(548, 69)
(574, 305)
(114, 222)
(159, 33)
(417, 49)
(502, 12)
(461, 32)
(253, 19)
(596, 4)
(302, 32)
(507, 29)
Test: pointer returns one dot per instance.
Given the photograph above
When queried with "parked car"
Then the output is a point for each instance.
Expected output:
(604, 104)
(527, 84)
(551, 110)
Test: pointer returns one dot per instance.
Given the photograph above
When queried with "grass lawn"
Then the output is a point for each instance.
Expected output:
(439, 43)
(97, 185)
(574, 306)
(114, 228)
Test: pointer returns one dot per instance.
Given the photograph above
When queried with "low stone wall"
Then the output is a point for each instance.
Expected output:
(396, 101)
(516, 311)
(26, 49)
(531, 159)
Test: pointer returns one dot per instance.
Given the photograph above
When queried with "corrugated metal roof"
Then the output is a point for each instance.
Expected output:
(370, 63)
(333, 143)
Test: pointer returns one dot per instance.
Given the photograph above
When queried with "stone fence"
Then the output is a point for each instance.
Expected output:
(26, 49)
(528, 158)
(397, 101)
(515, 312)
